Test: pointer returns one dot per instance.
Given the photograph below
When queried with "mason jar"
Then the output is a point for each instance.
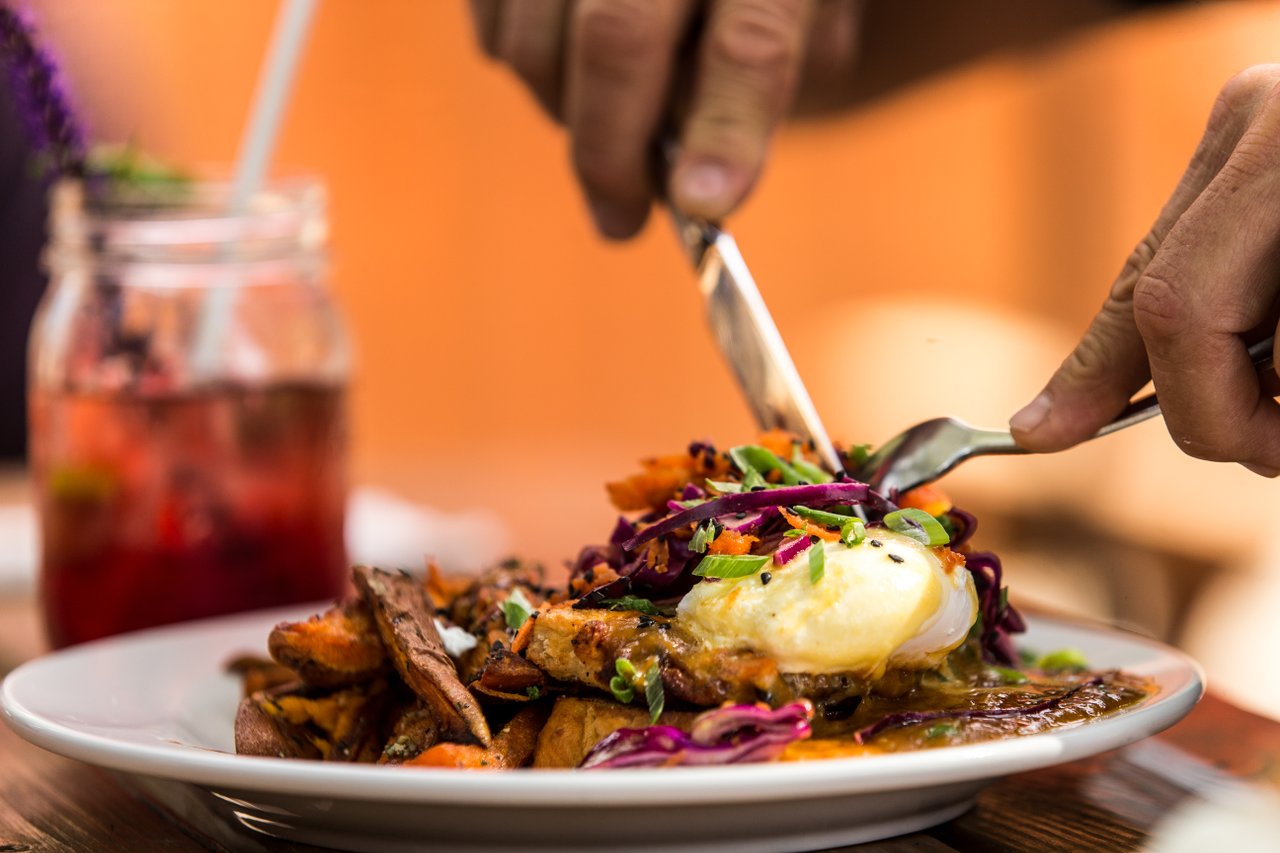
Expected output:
(188, 428)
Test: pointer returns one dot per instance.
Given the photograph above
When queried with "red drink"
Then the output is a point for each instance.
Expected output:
(161, 509)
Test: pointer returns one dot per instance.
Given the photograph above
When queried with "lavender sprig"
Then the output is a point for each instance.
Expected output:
(50, 124)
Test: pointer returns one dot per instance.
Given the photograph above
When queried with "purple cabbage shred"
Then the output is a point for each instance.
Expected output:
(735, 734)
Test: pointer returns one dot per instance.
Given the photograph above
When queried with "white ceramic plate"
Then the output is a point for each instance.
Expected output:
(157, 704)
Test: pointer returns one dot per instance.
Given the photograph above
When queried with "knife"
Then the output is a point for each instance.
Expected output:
(748, 337)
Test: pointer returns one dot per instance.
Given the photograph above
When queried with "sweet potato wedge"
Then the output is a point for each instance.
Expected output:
(259, 673)
(512, 747)
(577, 724)
(303, 722)
(261, 733)
(406, 620)
(413, 730)
(338, 648)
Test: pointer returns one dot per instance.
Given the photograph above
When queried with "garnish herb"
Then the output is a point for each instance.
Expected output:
(533, 691)
(794, 533)
(826, 519)
(1063, 659)
(753, 457)
(653, 694)
(622, 685)
(857, 455)
(917, 524)
(725, 488)
(817, 562)
(852, 532)
(516, 609)
(702, 537)
(632, 602)
(730, 565)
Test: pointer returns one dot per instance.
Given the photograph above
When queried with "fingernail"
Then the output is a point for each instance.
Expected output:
(703, 182)
(613, 220)
(1262, 470)
(1031, 415)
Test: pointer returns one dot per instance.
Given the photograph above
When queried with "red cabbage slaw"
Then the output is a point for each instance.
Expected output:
(734, 734)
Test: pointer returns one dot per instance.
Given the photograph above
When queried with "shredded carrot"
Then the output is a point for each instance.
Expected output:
(931, 499)
(809, 527)
(732, 542)
(521, 639)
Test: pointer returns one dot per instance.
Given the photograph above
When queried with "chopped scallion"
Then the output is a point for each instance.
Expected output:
(702, 537)
(817, 562)
(653, 693)
(724, 487)
(730, 565)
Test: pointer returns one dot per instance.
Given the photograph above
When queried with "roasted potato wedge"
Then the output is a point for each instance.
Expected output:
(338, 648)
(406, 620)
(512, 747)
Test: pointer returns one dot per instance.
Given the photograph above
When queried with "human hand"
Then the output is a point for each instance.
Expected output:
(1199, 287)
(607, 70)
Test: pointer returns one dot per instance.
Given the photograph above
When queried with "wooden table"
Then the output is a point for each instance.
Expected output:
(1110, 802)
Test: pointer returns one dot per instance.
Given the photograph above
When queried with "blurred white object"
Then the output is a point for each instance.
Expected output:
(390, 532)
(1239, 819)
(19, 547)
(1232, 628)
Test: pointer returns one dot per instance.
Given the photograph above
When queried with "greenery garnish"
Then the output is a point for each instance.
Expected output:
(817, 562)
(1061, 659)
(917, 524)
(631, 602)
(653, 694)
(516, 609)
(730, 565)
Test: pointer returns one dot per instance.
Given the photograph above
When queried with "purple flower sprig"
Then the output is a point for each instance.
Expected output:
(42, 102)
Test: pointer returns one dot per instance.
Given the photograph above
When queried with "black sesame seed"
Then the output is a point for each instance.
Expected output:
(876, 543)
(645, 622)
(758, 488)
(897, 559)
(765, 577)
(740, 515)
(589, 575)
(814, 540)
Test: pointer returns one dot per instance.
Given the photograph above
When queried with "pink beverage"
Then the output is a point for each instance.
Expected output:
(162, 509)
(187, 407)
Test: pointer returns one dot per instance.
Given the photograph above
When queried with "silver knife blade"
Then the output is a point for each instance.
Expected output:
(749, 338)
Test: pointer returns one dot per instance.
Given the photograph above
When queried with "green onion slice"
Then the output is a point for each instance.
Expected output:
(725, 487)
(1063, 659)
(917, 524)
(621, 690)
(702, 537)
(632, 602)
(817, 562)
(753, 457)
(730, 565)
(653, 694)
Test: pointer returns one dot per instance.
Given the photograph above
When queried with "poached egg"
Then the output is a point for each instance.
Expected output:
(888, 602)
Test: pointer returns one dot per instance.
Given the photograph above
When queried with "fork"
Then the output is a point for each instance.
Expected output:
(930, 449)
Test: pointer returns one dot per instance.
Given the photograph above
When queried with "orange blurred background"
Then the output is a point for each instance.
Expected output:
(935, 252)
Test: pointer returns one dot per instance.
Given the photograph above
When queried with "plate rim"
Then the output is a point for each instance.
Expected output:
(570, 788)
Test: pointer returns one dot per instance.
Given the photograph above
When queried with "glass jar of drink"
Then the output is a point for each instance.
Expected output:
(186, 406)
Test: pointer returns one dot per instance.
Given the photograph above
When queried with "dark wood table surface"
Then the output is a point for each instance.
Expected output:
(1109, 802)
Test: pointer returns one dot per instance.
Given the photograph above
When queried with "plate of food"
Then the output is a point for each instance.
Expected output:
(762, 656)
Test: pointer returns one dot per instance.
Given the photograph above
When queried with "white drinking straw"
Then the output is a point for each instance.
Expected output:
(275, 82)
